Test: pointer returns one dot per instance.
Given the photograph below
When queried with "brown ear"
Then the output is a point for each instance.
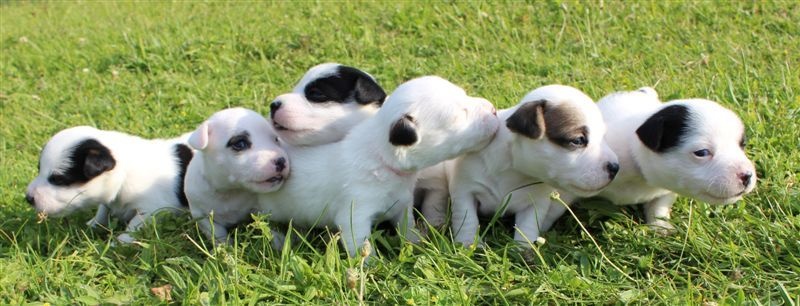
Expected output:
(528, 120)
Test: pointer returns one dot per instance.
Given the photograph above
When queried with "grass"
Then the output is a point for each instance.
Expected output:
(157, 70)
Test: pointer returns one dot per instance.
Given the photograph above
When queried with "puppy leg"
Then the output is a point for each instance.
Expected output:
(133, 225)
(100, 218)
(354, 232)
(406, 225)
(465, 218)
(434, 207)
(213, 230)
(528, 221)
(657, 213)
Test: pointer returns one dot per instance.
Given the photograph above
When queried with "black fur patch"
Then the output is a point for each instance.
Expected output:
(664, 130)
(87, 160)
(528, 119)
(345, 83)
(402, 132)
(184, 155)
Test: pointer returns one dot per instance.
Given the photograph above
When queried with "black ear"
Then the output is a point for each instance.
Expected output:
(528, 120)
(402, 132)
(366, 90)
(664, 130)
(98, 160)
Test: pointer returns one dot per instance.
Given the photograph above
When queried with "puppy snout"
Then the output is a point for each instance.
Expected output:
(29, 198)
(612, 168)
(280, 164)
(745, 177)
(273, 107)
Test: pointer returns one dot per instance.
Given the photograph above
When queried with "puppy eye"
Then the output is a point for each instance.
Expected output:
(58, 180)
(315, 94)
(239, 143)
(277, 140)
(702, 153)
(579, 141)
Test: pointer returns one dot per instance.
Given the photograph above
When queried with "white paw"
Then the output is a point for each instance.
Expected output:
(662, 227)
(125, 238)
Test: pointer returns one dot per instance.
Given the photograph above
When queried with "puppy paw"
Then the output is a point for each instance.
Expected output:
(125, 238)
(662, 227)
(94, 223)
(278, 240)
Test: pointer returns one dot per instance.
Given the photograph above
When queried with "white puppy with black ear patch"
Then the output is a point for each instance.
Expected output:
(238, 156)
(327, 102)
(123, 175)
(552, 139)
(692, 147)
(369, 176)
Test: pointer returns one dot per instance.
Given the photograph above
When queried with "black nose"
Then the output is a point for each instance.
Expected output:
(30, 199)
(280, 164)
(273, 107)
(612, 168)
(745, 178)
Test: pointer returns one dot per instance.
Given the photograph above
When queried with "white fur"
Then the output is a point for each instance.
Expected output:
(143, 181)
(352, 184)
(654, 178)
(222, 183)
(522, 172)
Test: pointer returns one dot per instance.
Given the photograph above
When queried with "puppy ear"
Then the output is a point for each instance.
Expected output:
(368, 91)
(199, 138)
(528, 119)
(664, 130)
(98, 160)
(403, 133)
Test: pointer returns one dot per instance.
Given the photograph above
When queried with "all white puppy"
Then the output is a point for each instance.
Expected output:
(325, 104)
(369, 175)
(238, 156)
(123, 175)
(552, 138)
(692, 147)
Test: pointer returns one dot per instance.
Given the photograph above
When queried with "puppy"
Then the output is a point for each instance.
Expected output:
(126, 176)
(552, 139)
(238, 156)
(369, 175)
(327, 102)
(692, 147)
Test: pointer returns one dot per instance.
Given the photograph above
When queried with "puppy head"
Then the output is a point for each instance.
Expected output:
(76, 170)
(558, 137)
(695, 147)
(327, 102)
(241, 150)
(430, 120)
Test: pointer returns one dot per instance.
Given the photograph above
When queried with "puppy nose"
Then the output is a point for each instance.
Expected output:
(612, 168)
(280, 164)
(29, 198)
(273, 107)
(745, 177)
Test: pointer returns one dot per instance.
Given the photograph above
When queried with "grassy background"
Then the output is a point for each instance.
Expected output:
(157, 70)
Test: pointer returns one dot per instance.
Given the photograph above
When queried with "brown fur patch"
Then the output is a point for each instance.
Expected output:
(564, 122)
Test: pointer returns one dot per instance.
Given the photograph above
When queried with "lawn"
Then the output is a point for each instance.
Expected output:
(157, 70)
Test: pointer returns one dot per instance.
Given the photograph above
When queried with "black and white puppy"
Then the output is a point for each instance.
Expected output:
(691, 147)
(554, 138)
(368, 177)
(123, 175)
(325, 104)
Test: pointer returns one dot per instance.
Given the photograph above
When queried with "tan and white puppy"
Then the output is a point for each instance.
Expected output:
(691, 147)
(325, 104)
(238, 156)
(552, 139)
(123, 175)
(368, 177)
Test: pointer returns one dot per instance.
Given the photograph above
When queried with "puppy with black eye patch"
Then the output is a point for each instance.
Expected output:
(123, 175)
(325, 104)
(554, 138)
(368, 176)
(238, 156)
(691, 147)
